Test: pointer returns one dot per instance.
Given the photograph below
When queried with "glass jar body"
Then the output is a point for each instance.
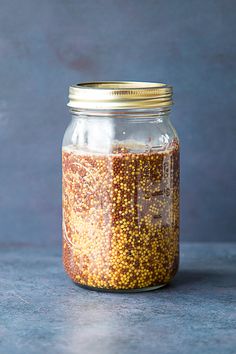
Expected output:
(121, 200)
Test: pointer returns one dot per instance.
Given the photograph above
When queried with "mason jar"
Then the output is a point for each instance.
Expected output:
(120, 161)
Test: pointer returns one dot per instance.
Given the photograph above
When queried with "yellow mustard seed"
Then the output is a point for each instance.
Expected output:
(120, 226)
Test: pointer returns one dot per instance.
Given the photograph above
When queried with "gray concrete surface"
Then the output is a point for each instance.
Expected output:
(42, 311)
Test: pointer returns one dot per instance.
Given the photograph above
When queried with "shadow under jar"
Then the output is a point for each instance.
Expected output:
(120, 160)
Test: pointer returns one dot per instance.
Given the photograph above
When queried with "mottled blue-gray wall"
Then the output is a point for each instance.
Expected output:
(46, 45)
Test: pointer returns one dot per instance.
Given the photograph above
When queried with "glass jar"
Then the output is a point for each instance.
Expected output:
(120, 160)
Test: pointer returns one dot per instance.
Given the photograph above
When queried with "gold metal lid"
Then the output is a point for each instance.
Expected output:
(113, 95)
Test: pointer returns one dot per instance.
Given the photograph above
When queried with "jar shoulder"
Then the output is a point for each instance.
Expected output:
(101, 134)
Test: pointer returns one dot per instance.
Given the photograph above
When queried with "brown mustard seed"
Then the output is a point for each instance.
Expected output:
(121, 217)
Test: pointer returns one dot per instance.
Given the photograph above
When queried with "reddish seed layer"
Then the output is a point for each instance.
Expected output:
(121, 217)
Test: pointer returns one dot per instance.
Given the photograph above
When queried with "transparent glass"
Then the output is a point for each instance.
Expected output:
(121, 200)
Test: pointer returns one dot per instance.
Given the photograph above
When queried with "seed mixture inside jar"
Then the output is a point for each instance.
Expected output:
(121, 217)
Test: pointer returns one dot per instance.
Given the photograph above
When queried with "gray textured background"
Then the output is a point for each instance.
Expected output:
(46, 45)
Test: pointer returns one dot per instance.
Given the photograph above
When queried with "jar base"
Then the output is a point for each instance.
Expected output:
(137, 290)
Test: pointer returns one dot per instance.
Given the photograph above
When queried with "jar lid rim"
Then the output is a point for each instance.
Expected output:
(120, 95)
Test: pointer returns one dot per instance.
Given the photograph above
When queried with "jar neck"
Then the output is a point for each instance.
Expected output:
(134, 114)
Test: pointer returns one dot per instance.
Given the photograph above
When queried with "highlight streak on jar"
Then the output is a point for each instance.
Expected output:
(121, 217)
